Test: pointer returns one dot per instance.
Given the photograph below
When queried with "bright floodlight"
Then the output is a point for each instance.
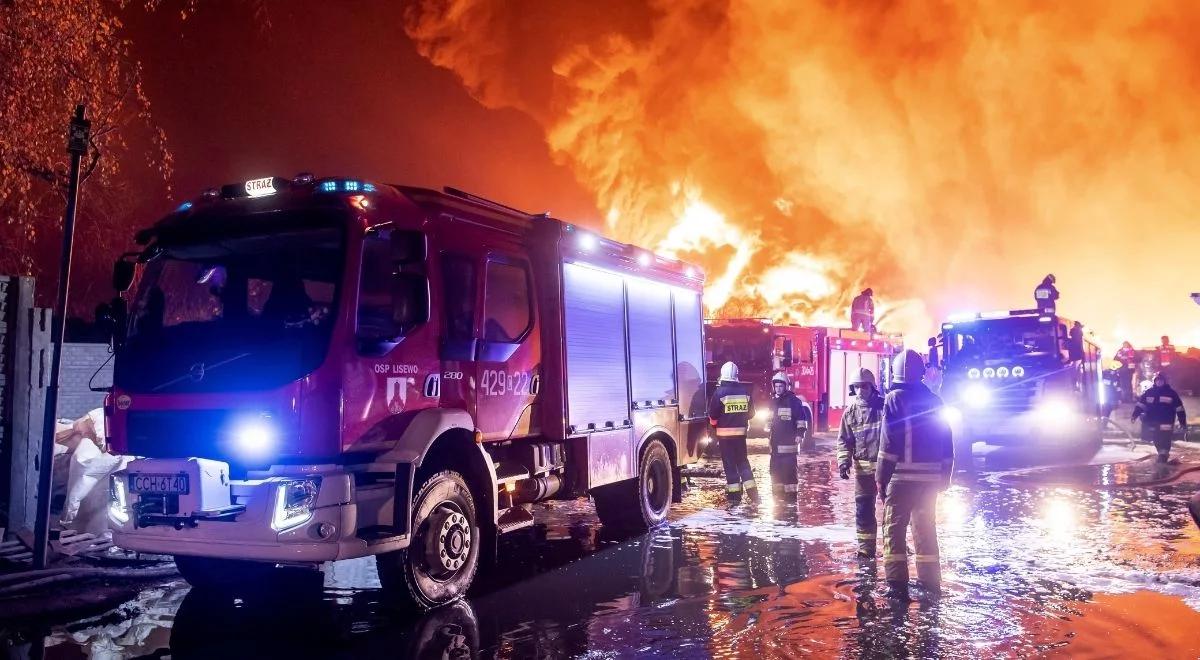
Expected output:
(952, 415)
(644, 259)
(587, 242)
(255, 438)
(977, 395)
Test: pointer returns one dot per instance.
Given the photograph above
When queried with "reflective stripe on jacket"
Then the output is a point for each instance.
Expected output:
(917, 444)
(861, 430)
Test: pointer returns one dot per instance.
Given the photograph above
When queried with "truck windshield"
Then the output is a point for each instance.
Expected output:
(243, 312)
(1003, 340)
(748, 349)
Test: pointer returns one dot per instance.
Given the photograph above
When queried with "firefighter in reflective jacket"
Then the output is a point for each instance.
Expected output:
(858, 449)
(916, 459)
(1046, 295)
(730, 411)
(1160, 407)
(787, 428)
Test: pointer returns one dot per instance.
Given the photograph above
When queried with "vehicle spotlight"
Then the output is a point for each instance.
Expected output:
(587, 242)
(952, 415)
(973, 373)
(1002, 372)
(1018, 372)
(255, 438)
(989, 373)
(977, 395)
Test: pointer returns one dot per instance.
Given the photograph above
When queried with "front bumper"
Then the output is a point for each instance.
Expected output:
(328, 535)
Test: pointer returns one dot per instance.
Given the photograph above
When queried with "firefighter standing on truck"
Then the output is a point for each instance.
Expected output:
(730, 411)
(1045, 296)
(787, 428)
(862, 311)
(1160, 407)
(858, 449)
(916, 460)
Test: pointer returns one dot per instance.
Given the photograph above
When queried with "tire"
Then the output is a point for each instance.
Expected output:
(435, 570)
(213, 575)
(642, 502)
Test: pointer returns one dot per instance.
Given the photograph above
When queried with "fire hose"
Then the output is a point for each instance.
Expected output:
(20, 582)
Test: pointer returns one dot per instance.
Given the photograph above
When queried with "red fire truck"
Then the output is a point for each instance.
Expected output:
(819, 361)
(316, 369)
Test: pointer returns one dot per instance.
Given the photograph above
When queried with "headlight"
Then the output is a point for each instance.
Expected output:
(977, 395)
(118, 502)
(1055, 413)
(762, 415)
(952, 415)
(255, 437)
(294, 501)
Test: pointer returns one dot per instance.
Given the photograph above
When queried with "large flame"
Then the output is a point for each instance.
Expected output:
(948, 155)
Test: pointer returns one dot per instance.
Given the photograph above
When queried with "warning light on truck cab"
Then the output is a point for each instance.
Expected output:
(261, 187)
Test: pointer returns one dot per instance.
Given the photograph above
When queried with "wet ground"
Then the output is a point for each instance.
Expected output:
(1072, 561)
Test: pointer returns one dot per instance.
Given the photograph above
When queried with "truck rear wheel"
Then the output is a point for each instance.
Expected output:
(440, 562)
(642, 502)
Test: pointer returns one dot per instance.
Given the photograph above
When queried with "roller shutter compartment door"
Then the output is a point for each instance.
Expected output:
(597, 384)
(689, 353)
(651, 360)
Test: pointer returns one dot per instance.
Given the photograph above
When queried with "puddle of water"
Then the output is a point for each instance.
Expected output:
(1029, 571)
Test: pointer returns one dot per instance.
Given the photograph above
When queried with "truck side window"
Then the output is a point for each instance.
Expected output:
(506, 303)
(375, 287)
(458, 289)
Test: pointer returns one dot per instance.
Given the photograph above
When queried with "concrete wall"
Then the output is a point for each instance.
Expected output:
(79, 362)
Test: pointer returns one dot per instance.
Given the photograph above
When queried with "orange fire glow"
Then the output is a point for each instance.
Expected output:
(948, 155)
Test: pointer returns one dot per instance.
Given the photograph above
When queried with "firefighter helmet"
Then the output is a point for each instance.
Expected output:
(729, 373)
(908, 367)
(1161, 375)
(865, 377)
(779, 377)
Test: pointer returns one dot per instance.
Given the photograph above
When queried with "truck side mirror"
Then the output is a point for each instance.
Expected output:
(410, 301)
(122, 277)
(409, 247)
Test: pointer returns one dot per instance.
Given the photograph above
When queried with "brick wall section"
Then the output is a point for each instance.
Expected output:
(79, 362)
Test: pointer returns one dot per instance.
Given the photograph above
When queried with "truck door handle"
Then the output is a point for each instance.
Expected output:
(433, 386)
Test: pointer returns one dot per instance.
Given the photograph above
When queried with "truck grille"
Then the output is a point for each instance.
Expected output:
(185, 434)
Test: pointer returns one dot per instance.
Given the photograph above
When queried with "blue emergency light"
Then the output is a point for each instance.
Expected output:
(345, 185)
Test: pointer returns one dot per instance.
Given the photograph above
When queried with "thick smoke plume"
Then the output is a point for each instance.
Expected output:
(947, 154)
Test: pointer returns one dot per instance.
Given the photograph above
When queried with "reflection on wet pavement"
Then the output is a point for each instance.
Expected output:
(1033, 566)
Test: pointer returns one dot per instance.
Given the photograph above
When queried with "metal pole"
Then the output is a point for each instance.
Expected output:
(77, 141)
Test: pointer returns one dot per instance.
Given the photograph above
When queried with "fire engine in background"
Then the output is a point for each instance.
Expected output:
(819, 361)
(1013, 377)
(321, 369)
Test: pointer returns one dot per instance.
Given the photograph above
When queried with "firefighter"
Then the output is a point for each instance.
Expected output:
(1045, 296)
(916, 459)
(858, 449)
(787, 428)
(862, 311)
(1166, 353)
(730, 411)
(1160, 407)
(1075, 345)
(1127, 356)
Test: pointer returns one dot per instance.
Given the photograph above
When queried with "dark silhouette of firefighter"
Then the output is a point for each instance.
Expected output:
(788, 428)
(1159, 408)
(730, 411)
(1127, 356)
(1045, 296)
(1075, 343)
(857, 453)
(916, 460)
(862, 311)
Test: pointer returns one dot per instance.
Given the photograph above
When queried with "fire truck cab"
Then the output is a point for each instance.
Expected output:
(1014, 377)
(314, 369)
(819, 361)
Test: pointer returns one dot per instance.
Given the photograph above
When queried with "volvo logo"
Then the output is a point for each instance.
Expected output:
(196, 372)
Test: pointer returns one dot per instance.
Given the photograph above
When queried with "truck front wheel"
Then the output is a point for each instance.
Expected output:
(642, 502)
(440, 562)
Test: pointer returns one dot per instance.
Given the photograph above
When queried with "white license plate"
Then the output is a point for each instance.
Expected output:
(159, 484)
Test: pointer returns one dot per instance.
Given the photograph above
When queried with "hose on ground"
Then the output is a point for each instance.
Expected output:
(20, 582)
